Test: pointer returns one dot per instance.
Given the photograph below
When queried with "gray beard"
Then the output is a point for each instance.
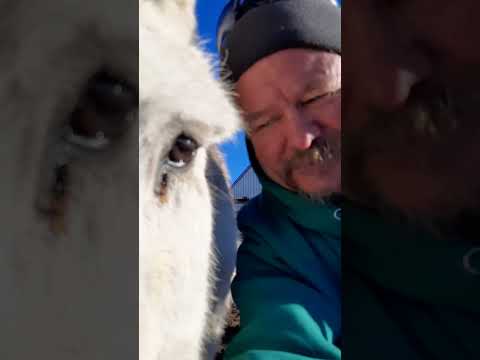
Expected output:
(433, 112)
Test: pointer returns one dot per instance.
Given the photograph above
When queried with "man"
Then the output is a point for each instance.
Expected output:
(411, 154)
(284, 59)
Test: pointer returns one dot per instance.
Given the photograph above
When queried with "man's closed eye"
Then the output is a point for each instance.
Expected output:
(265, 122)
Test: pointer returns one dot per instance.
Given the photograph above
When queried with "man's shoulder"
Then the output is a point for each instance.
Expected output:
(250, 210)
(260, 212)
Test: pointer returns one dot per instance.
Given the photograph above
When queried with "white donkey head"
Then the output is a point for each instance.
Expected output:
(183, 111)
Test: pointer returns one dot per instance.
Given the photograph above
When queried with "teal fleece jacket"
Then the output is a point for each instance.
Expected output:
(407, 295)
(287, 286)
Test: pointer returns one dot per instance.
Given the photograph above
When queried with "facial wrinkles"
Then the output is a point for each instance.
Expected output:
(273, 97)
(280, 91)
(294, 125)
(325, 147)
(277, 148)
(279, 133)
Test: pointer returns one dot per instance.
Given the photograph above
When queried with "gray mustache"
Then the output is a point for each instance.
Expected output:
(432, 112)
(324, 148)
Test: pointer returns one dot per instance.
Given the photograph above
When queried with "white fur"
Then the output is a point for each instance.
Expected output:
(66, 296)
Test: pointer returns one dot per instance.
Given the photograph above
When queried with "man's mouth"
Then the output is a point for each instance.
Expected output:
(308, 171)
(324, 152)
(319, 152)
(432, 113)
(433, 118)
(420, 159)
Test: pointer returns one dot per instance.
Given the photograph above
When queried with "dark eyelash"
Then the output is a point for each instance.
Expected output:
(311, 100)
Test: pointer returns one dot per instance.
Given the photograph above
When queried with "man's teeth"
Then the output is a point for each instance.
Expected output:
(329, 154)
(316, 155)
(421, 121)
(432, 129)
(322, 153)
(435, 120)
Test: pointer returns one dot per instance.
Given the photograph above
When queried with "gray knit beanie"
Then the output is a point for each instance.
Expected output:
(258, 28)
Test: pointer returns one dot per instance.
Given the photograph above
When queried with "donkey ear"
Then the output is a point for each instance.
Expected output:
(181, 13)
(186, 4)
(178, 15)
(187, 7)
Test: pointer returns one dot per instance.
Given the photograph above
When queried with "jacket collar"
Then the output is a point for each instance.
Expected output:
(409, 260)
(322, 216)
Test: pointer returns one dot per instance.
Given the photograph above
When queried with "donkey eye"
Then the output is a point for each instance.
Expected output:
(104, 113)
(183, 151)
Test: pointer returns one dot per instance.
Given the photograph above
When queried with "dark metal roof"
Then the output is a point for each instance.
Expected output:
(247, 185)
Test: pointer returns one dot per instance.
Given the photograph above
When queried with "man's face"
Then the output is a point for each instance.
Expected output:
(412, 102)
(292, 107)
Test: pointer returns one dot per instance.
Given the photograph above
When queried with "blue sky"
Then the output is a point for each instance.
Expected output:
(208, 12)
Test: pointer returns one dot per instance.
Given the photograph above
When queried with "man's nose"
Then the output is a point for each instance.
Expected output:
(392, 80)
(381, 64)
(301, 131)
